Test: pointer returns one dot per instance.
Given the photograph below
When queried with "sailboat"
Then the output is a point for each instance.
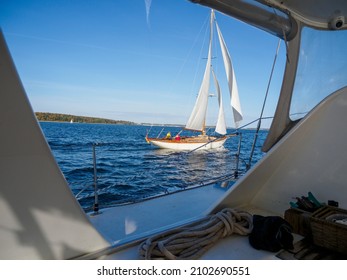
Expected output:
(197, 119)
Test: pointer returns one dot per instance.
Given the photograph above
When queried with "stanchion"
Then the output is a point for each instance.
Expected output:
(96, 198)
(236, 174)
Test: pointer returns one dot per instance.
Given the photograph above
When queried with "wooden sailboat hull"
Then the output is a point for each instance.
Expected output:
(189, 143)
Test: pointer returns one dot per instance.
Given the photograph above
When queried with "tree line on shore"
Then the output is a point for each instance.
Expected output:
(55, 117)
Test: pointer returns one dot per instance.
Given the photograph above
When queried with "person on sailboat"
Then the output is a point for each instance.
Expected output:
(168, 135)
(177, 137)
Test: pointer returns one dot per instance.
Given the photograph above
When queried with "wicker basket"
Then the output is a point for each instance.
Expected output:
(299, 220)
(329, 234)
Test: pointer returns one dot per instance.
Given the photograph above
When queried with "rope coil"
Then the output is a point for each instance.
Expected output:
(191, 242)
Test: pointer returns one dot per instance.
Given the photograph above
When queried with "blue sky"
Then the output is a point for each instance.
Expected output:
(110, 59)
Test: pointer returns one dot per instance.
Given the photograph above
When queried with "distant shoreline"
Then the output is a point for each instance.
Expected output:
(66, 118)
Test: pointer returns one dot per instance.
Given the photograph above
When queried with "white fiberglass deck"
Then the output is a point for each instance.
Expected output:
(137, 221)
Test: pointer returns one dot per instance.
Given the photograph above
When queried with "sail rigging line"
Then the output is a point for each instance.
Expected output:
(180, 132)
(263, 107)
(189, 54)
(270, 79)
(284, 35)
(160, 132)
(256, 120)
(211, 141)
(201, 51)
(149, 130)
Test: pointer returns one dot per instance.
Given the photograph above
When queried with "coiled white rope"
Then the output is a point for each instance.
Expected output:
(193, 241)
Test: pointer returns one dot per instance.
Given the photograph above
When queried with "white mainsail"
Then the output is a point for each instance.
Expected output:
(197, 118)
(234, 93)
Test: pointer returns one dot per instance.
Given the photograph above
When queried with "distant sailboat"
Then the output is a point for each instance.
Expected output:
(197, 118)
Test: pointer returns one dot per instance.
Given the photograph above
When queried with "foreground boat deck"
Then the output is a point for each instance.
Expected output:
(232, 248)
(126, 227)
(134, 222)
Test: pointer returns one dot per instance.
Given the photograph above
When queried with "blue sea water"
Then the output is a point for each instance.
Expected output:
(129, 169)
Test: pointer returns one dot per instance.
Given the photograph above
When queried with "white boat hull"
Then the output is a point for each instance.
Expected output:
(189, 143)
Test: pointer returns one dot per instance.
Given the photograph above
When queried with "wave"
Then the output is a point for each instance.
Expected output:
(129, 169)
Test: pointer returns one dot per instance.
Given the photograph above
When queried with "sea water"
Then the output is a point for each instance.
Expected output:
(128, 169)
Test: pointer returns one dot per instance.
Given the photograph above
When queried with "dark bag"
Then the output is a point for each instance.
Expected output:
(271, 233)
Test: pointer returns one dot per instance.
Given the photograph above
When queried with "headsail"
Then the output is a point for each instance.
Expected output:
(197, 118)
(234, 93)
(221, 127)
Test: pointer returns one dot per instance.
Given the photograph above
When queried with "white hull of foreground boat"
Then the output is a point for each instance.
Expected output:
(189, 143)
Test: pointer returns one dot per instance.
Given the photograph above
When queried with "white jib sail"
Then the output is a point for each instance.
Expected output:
(221, 125)
(234, 93)
(197, 118)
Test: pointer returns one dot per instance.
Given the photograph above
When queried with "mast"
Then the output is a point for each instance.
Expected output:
(197, 118)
